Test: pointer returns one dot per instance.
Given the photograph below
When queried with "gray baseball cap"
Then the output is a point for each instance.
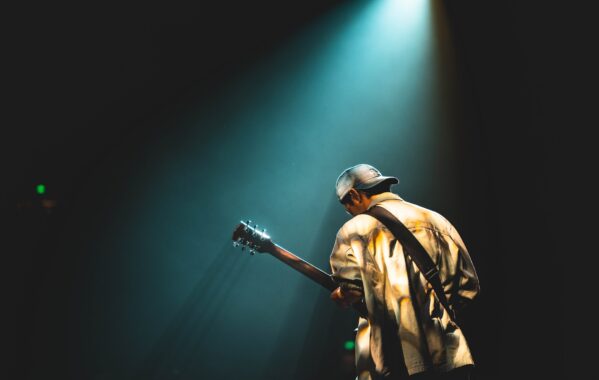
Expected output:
(361, 176)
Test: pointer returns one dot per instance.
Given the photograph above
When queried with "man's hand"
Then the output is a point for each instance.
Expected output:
(346, 298)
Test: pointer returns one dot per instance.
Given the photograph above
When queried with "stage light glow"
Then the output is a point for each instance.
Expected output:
(349, 345)
(40, 189)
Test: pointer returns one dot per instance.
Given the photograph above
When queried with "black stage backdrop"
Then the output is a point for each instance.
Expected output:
(95, 94)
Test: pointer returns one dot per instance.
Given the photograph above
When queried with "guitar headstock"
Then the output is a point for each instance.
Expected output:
(250, 237)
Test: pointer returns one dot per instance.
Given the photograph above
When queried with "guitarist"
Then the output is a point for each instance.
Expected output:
(407, 332)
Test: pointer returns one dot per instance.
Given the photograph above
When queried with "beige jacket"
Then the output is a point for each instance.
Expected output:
(366, 250)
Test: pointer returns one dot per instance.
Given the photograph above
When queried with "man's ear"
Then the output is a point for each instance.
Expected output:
(354, 195)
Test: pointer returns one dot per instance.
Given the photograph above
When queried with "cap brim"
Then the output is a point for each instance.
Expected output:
(376, 181)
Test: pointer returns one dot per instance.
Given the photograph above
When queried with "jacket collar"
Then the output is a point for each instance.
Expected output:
(378, 198)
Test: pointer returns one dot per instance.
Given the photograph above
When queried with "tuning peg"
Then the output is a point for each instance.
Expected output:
(235, 244)
(252, 252)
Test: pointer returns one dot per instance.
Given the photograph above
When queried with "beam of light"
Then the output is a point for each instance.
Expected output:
(359, 85)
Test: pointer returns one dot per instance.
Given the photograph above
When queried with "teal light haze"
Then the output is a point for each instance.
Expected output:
(169, 296)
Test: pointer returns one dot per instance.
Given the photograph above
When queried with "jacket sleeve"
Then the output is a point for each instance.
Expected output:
(466, 279)
(344, 264)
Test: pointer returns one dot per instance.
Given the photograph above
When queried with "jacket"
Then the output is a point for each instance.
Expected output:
(396, 294)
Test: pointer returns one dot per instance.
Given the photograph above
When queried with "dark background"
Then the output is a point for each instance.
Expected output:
(95, 91)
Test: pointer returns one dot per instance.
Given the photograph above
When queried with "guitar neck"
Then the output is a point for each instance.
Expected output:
(304, 267)
(258, 241)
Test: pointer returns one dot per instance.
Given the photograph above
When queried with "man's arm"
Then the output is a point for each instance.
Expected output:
(468, 286)
(346, 271)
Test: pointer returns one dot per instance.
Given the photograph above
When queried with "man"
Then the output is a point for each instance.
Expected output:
(407, 331)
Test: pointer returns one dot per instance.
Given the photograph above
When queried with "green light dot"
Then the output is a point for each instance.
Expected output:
(41, 189)
(349, 345)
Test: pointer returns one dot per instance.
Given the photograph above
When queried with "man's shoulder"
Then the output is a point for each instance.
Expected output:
(412, 214)
(360, 224)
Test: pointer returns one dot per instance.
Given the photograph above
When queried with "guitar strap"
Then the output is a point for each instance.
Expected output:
(415, 250)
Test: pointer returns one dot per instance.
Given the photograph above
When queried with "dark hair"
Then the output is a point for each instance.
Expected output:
(382, 187)
(346, 199)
